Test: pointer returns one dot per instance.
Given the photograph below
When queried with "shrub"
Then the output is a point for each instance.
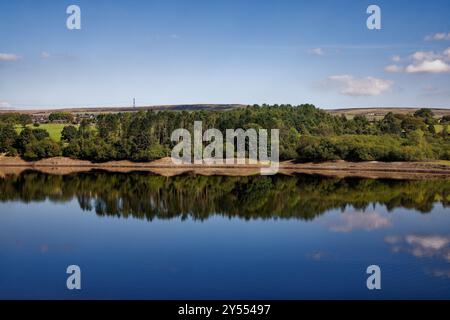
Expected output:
(8, 137)
(69, 133)
(362, 148)
(45, 148)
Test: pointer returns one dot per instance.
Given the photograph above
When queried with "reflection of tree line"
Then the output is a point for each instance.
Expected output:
(148, 196)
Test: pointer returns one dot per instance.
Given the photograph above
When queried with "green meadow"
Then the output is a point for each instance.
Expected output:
(53, 129)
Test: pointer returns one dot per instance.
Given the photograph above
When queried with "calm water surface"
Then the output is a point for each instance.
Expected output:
(192, 237)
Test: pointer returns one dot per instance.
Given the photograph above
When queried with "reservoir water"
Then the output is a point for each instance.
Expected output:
(142, 236)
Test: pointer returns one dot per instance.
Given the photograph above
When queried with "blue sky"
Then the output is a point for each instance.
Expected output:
(217, 51)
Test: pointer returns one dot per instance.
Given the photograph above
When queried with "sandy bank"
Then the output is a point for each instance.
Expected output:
(165, 167)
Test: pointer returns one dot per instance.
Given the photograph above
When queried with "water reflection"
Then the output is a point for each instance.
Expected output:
(422, 246)
(145, 196)
(356, 220)
(309, 237)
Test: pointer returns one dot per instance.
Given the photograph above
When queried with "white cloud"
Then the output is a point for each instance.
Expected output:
(392, 239)
(393, 68)
(317, 51)
(428, 66)
(429, 246)
(396, 58)
(424, 62)
(5, 105)
(424, 55)
(9, 57)
(368, 86)
(431, 242)
(45, 55)
(447, 53)
(422, 246)
(349, 221)
(438, 36)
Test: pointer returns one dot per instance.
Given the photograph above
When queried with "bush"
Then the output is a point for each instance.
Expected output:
(45, 148)
(69, 133)
(16, 118)
(72, 150)
(155, 151)
(316, 149)
(445, 120)
(60, 116)
(8, 137)
(361, 148)
(40, 134)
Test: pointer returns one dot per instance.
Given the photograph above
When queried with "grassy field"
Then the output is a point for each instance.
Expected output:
(53, 129)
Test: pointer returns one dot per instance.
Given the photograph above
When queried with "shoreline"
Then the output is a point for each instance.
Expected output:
(164, 167)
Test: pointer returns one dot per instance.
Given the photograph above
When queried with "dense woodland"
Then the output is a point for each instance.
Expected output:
(306, 134)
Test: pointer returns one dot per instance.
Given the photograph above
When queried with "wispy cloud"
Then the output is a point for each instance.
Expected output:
(393, 68)
(446, 53)
(352, 86)
(422, 246)
(431, 91)
(428, 242)
(5, 105)
(45, 55)
(161, 37)
(438, 36)
(317, 51)
(9, 57)
(349, 221)
(396, 58)
(440, 273)
(317, 255)
(424, 55)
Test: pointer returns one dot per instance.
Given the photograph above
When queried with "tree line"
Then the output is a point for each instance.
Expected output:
(306, 134)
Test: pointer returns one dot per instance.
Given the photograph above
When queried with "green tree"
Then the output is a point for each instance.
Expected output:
(45, 148)
(72, 150)
(61, 116)
(155, 151)
(413, 123)
(426, 114)
(445, 119)
(69, 133)
(432, 129)
(390, 124)
(8, 137)
(40, 134)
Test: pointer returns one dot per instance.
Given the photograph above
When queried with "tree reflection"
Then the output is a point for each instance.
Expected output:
(146, 196)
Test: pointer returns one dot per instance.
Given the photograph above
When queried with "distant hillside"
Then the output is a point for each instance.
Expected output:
(181, 107)
(370, 113)
(378, 113)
